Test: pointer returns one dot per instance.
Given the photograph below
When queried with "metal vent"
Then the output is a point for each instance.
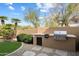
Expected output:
(60, 35)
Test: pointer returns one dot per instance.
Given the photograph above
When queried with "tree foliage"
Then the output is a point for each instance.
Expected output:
(3, 18)
(7, 32)
(32, 17)
(68, 12)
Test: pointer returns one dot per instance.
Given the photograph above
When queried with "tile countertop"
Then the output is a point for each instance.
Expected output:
(68, 35)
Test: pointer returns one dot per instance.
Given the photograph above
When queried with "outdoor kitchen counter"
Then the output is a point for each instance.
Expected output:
(69, 44)
(68, 35)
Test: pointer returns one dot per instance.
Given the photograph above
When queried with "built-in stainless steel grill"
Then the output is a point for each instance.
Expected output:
(60, 35)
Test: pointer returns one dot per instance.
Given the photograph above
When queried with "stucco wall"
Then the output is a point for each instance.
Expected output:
(26, 31)
(69, 44)
(70, 30)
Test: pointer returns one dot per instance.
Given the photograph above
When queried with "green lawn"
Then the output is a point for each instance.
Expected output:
(8, 47)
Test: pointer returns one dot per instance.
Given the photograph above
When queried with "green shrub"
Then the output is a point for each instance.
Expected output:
(7, 32)
(20, 37)
(24, 38)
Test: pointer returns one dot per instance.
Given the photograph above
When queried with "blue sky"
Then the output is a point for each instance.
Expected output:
(17, 10)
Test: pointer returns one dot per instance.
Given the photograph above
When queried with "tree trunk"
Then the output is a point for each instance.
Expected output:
(66, 24)
(15, 29)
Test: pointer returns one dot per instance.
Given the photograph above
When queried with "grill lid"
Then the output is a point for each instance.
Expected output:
(60, 32)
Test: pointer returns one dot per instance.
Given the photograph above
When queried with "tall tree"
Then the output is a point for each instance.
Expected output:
(67, 12)
(3, 18)
(16, 21)
(32, 17)
(52, 20)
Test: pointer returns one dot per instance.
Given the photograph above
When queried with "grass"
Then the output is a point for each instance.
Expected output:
(7, 47)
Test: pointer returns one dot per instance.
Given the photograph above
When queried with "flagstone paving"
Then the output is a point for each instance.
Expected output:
(29, 53)
(34, 50)
(37, 48)
(47, 50)
(60, 52)
(42, 54)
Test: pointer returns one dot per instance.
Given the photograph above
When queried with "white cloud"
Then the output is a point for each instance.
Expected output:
(43, 10)
(49, 5)
(9, 4)
(41, 17)
(39, 5)
(11, 8)
(45, 7)
(23, 8)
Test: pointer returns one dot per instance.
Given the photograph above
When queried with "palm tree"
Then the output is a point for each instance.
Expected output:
(32, 17)
(2, 18)
(46, 23)
(16, 21)
(52, 20)
(69, 11)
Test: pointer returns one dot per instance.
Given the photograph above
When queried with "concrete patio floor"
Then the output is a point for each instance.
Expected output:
(34, 50)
